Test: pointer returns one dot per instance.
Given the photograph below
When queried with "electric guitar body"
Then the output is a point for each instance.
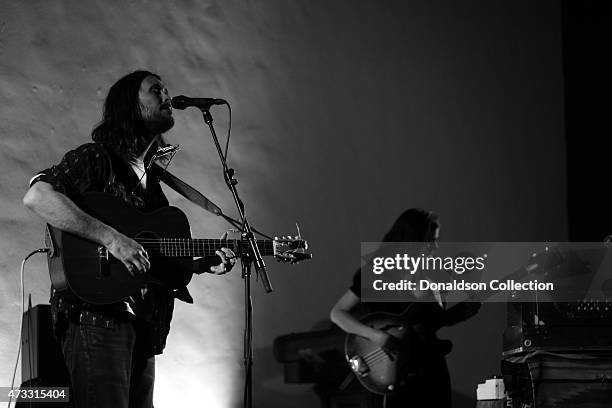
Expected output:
(388, 371)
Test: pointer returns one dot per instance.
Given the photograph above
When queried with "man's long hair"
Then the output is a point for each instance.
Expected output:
(122, 127)
(414, 225)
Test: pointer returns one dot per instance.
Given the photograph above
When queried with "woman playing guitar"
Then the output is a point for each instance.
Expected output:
(423, 374)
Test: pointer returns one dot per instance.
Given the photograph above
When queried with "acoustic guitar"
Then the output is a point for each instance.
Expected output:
(95, 276)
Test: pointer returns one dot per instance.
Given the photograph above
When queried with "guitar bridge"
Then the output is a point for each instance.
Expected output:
(359, 366)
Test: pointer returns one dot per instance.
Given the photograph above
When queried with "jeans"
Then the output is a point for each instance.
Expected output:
(106, 366)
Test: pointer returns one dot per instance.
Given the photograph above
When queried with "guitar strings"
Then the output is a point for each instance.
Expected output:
(186, 240)
(380, 353)
(186, 246)
(188, 243)
(195, 240)
(372, 353)
(375, 356)
(382, 357)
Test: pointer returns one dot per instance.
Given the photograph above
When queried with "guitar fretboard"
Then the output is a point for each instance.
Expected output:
(188, 247)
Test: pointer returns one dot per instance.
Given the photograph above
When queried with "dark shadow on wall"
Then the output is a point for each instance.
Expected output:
(588, 85)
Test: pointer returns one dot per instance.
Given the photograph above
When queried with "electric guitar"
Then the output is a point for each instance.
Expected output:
(386, 371)
(95, 276)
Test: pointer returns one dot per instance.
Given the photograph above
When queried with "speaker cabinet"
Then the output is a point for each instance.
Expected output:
(41, 356)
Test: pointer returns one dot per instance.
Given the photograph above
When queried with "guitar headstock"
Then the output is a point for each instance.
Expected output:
(545, 260)
(290, 249)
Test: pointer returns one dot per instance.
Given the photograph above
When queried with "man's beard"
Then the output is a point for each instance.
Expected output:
(158, 125)
(152, 129)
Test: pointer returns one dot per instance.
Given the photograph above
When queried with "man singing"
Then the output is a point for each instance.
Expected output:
(110, 349)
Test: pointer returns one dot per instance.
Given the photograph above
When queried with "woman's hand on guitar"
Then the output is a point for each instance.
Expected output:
(385, 341)
(379, 337)
(130, 253)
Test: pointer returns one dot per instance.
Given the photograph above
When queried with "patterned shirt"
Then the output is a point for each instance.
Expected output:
(95, 167)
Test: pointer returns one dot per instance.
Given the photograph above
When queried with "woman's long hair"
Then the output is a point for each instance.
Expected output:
(122, 127)
(414, 225)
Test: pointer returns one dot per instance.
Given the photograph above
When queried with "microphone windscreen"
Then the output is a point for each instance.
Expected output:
(179, 102)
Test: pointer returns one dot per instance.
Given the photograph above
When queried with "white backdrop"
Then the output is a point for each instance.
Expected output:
(345, 114)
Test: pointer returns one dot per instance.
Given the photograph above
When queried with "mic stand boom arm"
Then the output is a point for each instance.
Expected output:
(245, 260)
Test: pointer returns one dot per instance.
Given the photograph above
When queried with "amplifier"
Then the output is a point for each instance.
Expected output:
(585, 312)
(312, 357)
(559, 380)
(41, 356)
(584, 325)
(523, 339)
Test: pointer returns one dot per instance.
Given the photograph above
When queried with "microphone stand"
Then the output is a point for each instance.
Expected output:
(246, 258)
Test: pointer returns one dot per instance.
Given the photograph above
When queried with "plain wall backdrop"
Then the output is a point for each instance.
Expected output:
(345, 113)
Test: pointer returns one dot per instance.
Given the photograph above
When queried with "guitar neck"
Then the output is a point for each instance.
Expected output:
(189, 247)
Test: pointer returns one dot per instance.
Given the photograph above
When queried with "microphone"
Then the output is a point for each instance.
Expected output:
(181, 102)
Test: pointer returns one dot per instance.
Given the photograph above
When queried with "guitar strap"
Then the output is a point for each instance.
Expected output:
(186, 190)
